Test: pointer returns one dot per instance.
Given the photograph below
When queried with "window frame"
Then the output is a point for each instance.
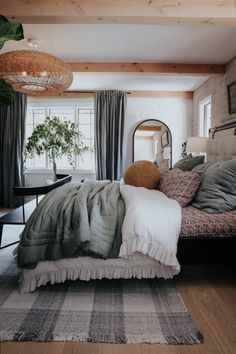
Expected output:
(62, 105)
(202, 117)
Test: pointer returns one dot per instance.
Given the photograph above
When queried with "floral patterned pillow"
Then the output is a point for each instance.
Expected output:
(180, 185)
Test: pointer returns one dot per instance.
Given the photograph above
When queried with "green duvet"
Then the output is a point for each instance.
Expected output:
(72, 220)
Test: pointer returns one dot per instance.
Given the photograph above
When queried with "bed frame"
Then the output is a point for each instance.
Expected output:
(212, 250)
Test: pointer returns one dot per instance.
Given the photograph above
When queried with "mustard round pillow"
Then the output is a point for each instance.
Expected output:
(142, 174)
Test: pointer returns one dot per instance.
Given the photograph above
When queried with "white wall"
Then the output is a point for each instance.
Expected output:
(176, 113)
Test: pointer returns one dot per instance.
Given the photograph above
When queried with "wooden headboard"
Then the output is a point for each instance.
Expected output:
(222, 143)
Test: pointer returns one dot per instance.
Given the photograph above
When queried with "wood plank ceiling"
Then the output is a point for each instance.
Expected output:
(170, 12)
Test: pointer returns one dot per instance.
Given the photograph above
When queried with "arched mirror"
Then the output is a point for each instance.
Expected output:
(152, 141)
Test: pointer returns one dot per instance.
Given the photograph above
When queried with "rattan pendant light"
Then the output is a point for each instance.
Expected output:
(35, 72)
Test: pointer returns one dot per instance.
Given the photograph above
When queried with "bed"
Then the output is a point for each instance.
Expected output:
(211, 238)
(195, 225)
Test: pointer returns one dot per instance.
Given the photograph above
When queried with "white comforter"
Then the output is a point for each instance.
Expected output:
(151, 226)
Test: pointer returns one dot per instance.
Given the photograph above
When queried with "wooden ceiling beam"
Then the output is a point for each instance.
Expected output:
(149, 128)
(131, 94)
(161, 94)
(171, 12)
(147, 68)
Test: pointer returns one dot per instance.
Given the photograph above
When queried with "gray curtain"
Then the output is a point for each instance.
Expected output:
(110, 111)
(12, 132)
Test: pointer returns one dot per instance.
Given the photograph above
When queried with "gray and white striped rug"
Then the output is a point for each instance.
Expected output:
(111, 311)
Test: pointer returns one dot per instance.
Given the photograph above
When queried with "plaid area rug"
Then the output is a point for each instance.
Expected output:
(111, 311)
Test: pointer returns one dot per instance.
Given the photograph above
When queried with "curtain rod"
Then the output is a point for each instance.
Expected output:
(76, 91)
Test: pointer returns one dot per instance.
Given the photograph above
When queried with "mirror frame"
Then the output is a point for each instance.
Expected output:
(170, 136)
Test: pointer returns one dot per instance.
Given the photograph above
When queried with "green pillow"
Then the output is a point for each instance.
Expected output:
(189, 162)
(203, 167)
(217, 192)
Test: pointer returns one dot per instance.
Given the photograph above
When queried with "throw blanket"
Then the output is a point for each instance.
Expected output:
(151, 225)
(74, 219)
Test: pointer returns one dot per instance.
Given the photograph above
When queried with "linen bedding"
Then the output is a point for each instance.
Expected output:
(72, 220)
(151, 226)
(197, 223)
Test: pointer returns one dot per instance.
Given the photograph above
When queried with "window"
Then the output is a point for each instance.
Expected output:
(205, 117)
(84, 117)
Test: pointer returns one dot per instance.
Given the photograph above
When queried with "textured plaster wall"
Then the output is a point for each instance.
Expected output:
(217, 88)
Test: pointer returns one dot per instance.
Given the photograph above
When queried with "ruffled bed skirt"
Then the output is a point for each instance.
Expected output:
(86, 268)
(153, 250)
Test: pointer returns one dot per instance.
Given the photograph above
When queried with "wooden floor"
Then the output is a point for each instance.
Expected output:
(210, 295)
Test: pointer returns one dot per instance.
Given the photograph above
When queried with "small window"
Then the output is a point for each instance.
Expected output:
(204, 117)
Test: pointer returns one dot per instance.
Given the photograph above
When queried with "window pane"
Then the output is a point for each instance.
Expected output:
(28, 131)
(85, 130)
(34, 117)
(29, 116)
(208, 109)
(40, 161)
(63, 163)
(39, 116)
(92, 131)
(85, 116)
(86, 161)
(37, 162)
(87, 142)
(207, 119)
(63, 113)
(29, 163)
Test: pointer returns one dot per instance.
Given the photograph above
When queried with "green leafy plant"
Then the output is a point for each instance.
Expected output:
(8, 31)
(57, 138)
